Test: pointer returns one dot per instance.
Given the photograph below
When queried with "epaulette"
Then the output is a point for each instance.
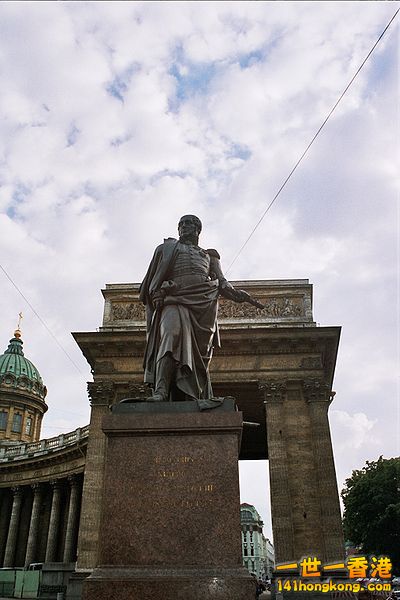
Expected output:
(213, 253)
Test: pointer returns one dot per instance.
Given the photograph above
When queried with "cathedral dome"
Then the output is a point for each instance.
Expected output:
(22, 395)
(17, 371)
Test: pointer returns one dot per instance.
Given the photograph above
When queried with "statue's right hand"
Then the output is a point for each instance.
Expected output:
(158, 303)
(157, 298)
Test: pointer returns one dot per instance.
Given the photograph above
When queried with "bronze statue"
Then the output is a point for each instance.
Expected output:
(180, 291)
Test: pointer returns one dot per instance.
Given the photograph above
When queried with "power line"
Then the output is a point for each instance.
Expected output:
(40, 319)
(313, 139)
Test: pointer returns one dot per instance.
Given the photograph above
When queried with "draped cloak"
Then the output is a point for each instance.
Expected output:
(185, 326)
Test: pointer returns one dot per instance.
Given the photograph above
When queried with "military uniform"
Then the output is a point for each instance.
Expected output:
(183, 331)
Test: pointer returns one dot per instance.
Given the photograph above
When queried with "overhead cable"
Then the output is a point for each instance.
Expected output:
(313, 139)
(40, 319)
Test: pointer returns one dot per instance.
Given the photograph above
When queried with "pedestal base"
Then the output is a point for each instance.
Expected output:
(170, 584)
(170, 526)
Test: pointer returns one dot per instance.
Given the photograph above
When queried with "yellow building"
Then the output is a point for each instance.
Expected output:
(40, 480)
(22, 395)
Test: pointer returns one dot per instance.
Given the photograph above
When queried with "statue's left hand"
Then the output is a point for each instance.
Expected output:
(242, 296)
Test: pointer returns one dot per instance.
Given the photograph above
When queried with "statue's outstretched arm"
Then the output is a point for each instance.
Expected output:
(226, 289)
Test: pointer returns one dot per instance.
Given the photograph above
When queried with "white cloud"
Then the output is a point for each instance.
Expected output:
(353, 430)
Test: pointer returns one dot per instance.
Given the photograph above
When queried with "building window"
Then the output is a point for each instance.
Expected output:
(245, 551)
(17, 423)
(28, 426)
(3, 420)
(252, 551)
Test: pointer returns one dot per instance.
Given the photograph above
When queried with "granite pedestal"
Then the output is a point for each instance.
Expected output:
(170, 525)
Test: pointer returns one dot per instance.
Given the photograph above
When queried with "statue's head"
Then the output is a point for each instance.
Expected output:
(189, 225)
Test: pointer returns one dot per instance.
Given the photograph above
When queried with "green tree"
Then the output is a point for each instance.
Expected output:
(371, 498)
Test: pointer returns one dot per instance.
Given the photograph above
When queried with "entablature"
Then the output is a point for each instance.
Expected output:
(40, 461)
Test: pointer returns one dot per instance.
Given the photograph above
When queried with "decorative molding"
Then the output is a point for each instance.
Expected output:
(316, 390)
(23, 383)
(101, 393)
(274, 391)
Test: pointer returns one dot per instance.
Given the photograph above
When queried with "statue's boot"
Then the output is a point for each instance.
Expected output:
(166, 367)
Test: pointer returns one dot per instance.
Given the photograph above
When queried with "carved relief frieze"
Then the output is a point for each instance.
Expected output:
(128, 311)
(275, 307)
(101, 393)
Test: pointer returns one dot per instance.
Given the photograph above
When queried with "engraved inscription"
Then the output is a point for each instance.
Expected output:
(172, 473)
(199, 503)
(168, 460)
(206, 487)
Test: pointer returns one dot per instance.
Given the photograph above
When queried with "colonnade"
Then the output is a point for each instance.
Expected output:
(39, 522)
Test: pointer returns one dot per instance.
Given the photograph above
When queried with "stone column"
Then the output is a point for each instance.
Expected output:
(319, 397)
(51, 549)
(4, 517)
(73, 509)
(13, 527)
(274, 394)
(101, 395)
(34, 524)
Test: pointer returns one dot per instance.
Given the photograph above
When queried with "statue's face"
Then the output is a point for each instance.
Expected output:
(188, 226)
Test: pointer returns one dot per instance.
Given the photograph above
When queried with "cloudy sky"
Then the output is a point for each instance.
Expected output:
(117, 118)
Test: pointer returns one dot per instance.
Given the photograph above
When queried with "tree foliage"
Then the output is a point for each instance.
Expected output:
(371, 498)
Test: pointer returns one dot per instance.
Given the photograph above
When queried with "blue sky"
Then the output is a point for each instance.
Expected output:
(117, 118)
